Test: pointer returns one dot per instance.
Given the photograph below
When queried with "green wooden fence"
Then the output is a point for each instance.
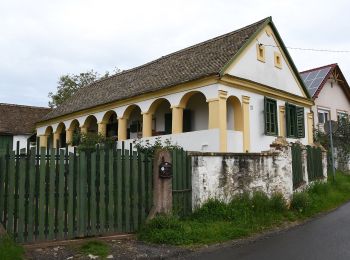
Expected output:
(297, 166)
(182, 182)
(53, 194)
(314, 163)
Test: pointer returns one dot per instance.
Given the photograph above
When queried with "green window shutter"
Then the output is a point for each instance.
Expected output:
(287, 108)
(265, 116)
(270, 116)
(187, 120)
(300, 122)
(168, 123)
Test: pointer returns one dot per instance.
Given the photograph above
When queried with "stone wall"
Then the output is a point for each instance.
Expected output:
(223, 175)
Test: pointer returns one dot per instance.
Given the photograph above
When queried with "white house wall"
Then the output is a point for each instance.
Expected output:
(249, 67)
(22, 141)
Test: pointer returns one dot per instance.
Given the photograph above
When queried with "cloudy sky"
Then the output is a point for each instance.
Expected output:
(41, 40)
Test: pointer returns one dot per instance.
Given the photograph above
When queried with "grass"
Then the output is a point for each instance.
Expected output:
(9, 250)
(245, 215)
(96, 248)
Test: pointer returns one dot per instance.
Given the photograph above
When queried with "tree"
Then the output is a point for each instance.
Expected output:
(69, 84)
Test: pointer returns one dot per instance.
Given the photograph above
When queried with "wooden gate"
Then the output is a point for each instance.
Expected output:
(54, 195)
(314, 163)
(182, 182)
(297, 168)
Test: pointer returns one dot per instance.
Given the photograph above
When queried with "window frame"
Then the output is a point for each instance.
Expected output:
(293, 121)
(270, 116)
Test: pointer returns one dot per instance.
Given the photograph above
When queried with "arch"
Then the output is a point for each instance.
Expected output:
(107, 116)
(196, 111)
(49, 134)
(60, 128)
(60, 135)
(161, 117)
(48, 130)
(134, 118)
(74, 125)
(111, 120)
(129, 110)
(90, 124)
(234, 114)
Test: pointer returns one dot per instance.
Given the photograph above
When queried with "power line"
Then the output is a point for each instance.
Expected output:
(307, 49)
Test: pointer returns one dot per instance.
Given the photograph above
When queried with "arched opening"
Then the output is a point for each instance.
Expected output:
(134, 125)
(161, 117)
(91, 125)
(234, 114)
(196, 112)
(111, 121)
(75, 132)
(61, 139)
(49, 135)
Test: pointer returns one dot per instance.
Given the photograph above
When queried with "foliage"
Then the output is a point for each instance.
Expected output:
(88, 142)
(147, 147)
(69, 84)
(96, 248)
(245, 215)
(9, 250)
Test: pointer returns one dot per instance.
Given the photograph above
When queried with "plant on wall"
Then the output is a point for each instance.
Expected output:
(149, 148)
(88, 142)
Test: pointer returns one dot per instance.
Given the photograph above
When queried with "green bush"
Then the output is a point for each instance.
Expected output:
(9, 250)
(301, 201)
(278, 203)
(213, 209)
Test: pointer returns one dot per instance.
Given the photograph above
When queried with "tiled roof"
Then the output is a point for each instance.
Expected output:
(18, 119)
(198, 61)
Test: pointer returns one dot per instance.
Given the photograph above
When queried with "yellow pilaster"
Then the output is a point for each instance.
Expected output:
(282, 122)
(122, 128)
(213, 105)
(310, 128)
(69, 137)
(43, 140)
(102, 127)
(246, 123)
(146, 124)
(56, 138)
(83, 130)
(177, 119)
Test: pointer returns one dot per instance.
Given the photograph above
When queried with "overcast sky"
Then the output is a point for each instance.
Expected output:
(41, 40)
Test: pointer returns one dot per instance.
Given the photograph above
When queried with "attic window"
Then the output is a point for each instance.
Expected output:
(278, 60)
(260, 52)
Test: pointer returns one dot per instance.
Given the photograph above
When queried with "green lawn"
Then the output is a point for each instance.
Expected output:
(9, 250)
(243, 216)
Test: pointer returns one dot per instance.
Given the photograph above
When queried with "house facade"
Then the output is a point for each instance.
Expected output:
(330, 91)
(17, 124)
(233, 93)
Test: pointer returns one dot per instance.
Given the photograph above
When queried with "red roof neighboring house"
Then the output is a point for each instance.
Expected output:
(315, 79)
(20, 119)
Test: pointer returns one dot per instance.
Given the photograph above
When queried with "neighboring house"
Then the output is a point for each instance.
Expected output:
(17, 123)
(330, 91)
(233, 93)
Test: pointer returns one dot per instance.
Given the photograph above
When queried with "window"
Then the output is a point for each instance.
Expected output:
(271, 126)
(295, 121)
(187, 120)
(278, 60)
(323, 116)
(167, 123)
(342, 116)
(260, 52)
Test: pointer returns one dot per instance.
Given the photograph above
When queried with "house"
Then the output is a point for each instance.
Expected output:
(17, 123)
(330, 91)
(232, 93)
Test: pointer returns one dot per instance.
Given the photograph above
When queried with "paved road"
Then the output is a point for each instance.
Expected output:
(327, 237)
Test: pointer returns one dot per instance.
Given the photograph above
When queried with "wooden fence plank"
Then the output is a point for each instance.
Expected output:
(119, 177)
(21, 198)
(82, 195)
(142, 190)
(102, 192)
(10, 196)
(70, 201)
(126, 184)
(93, 205)
(2, 186)
(60, 209)
(31, 194)
(41, 206)
(135, 190)
(110, 191)
(52, 192)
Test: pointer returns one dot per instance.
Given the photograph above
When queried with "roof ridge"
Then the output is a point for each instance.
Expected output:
(318, 68)
(179, 51)
(27, 106)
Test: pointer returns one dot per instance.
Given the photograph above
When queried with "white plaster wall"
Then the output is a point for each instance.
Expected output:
(234, 141)
(230, 116)
(204, 141)
(248, 67)
(22, 141)
(163, 109)
(333, 98)
(199, 112)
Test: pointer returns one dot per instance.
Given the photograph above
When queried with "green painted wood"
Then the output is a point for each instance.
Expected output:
(81, 214)
(189, 181)
(142, 187)
(93, 205)
(110, 191)
(102, 191)
(41, 206)
(149, 182)
(2, 186)
(119, 182)
(135, 191)
(127, 203)
(70, 201)
(21, 198)
(11, 191)
(31, 194)
(51, 205)
(60, 209)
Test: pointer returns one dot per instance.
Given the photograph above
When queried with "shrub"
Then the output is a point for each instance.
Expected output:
(301, 201)
(278, 203)
(213, 209)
